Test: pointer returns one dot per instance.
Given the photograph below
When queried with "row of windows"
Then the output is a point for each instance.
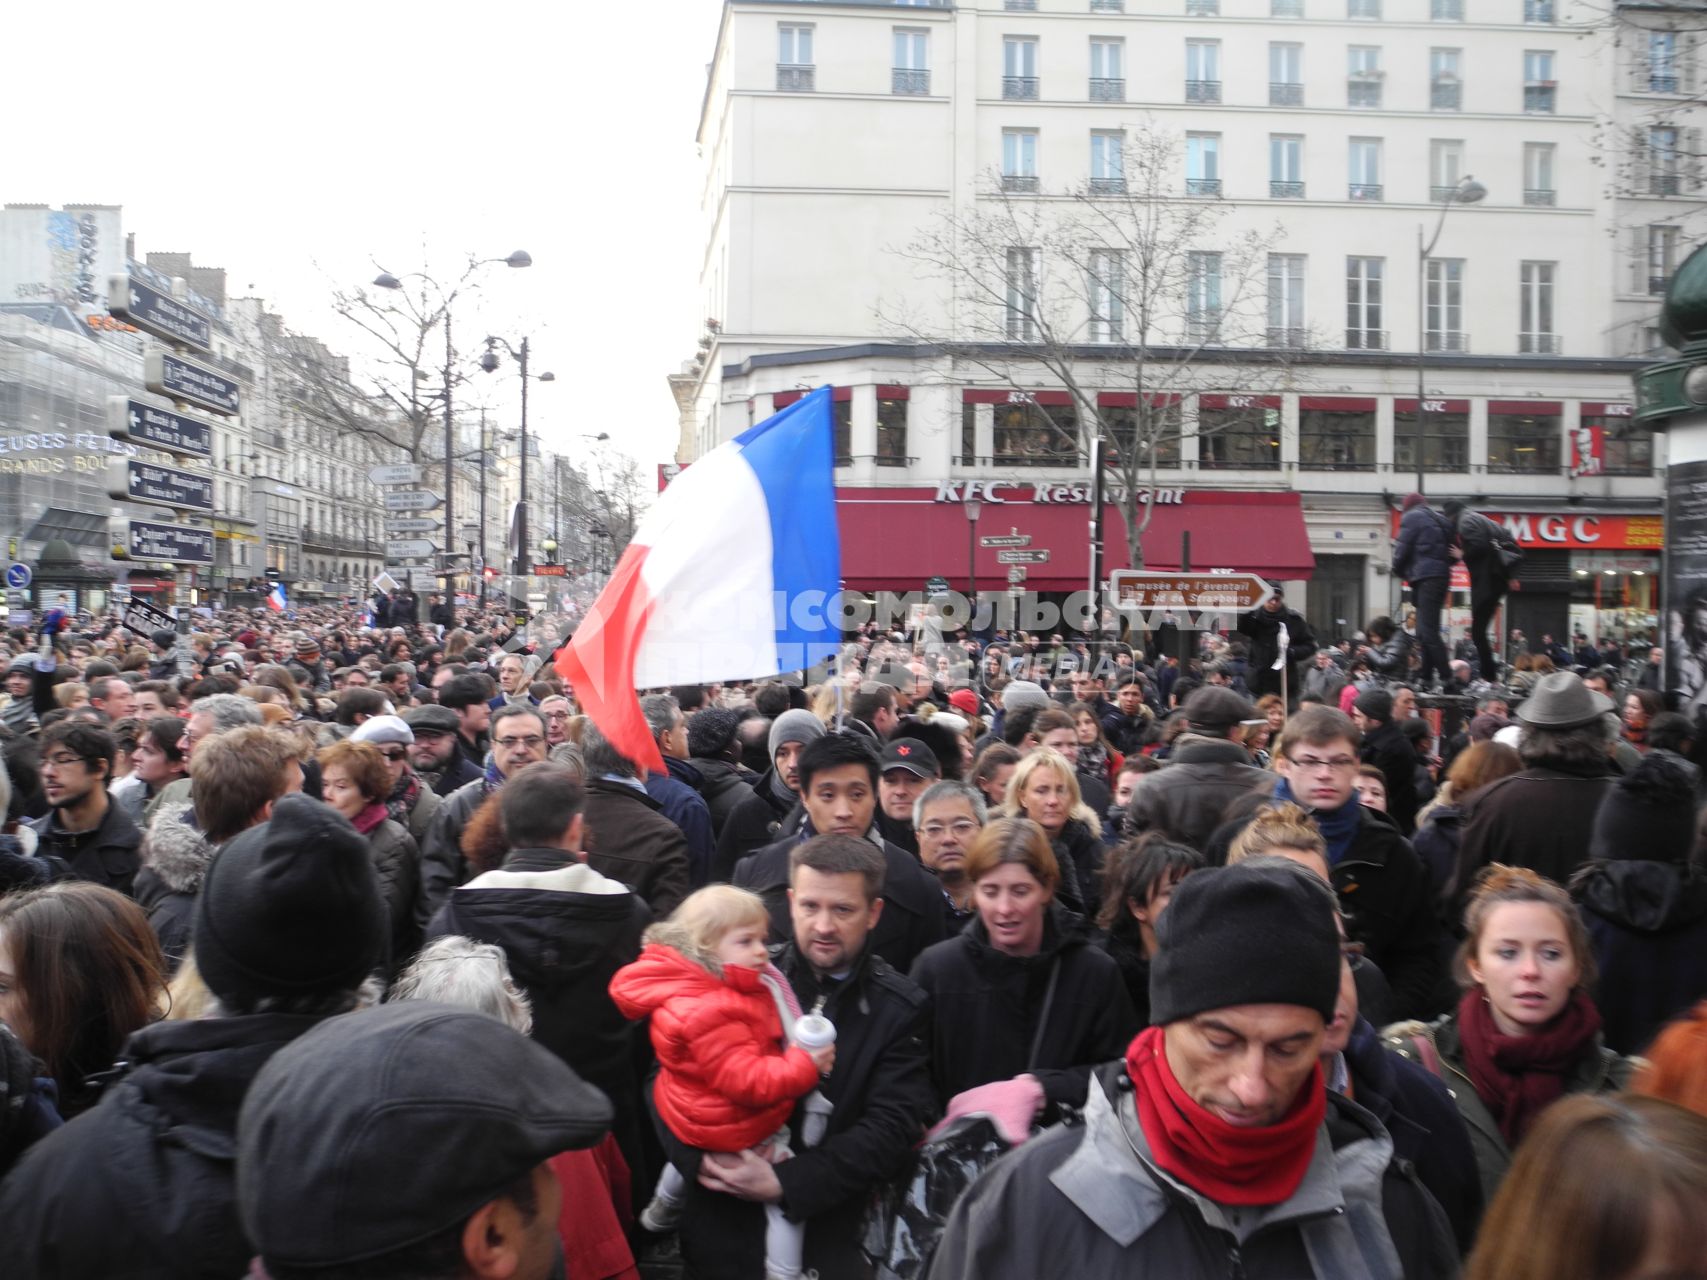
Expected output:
(1206, 166)
(1534, 11)
(1107, 82)
(1110, 283)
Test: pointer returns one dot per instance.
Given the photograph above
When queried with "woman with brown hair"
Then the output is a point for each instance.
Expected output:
(80, 970)
(1674, 1066)
(1525, 1032)
(354, 780)
(277, 677)
(1639, 709)
(1442, 824)
(1023, 996)
(1605, 1188)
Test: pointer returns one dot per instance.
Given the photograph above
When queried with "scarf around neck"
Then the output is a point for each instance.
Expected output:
(368, 820)
(1338, 826)
(401, 801)
(1519, 1077)
(1228, 1163)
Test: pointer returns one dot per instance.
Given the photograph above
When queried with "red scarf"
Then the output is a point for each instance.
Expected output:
(1228, 1163)
(370, 817)
(1518, 1077)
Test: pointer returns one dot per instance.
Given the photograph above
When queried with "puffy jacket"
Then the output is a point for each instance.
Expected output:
(397, 860)
(725, 1082)
(1188, 797)
(442, 865)
(1424, 546)
(167, 885)
(1648, 921)
(1392, 657)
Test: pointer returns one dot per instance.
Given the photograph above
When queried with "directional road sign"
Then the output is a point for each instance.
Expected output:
(1016, 574)
(153, 540)
(155, 311)
(136, 481)
(18, 576)
(1005, 540)
(412, 524)
(412, 500)
(410, 549)
(1134, 589)
(1038, 556)
(396, 473)
(166, 429)
(180, 378)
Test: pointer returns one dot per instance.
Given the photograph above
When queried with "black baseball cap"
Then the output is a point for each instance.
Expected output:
(912, 755)
(375, 1130)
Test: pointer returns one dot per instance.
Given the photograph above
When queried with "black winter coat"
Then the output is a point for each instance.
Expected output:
(881, 1091)
(1068, 1001)
(442, 865)
(1423, 549)
(1079, 852)
(110, 854)
(755, 821)
(630, 840)
(1390, 751)
(144, 1185)
(912, 916)
(1188, 797)
(724, 785)
(1540, 818)
(1648, 921)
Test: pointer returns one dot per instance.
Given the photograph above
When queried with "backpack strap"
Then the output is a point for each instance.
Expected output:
(1416, 1040)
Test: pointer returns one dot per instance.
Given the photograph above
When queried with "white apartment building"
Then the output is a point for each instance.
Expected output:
(834, 134)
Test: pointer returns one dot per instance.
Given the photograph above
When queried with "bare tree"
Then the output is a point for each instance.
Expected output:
(1119, 285)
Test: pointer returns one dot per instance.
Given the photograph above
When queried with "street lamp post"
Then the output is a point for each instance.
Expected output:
(973, 507)
(489, 362)
(1467, 191)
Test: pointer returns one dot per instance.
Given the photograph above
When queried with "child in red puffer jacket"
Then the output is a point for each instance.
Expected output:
(728, 1078)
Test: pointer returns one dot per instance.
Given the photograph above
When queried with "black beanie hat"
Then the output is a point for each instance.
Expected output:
(1649, 816)
(711, 731)
(290, 908)
(1377, 704)
(1245, 934)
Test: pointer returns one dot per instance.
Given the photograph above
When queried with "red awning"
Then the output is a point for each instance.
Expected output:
(895, 539)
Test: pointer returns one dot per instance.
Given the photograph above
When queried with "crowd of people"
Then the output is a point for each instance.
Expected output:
(333, 949)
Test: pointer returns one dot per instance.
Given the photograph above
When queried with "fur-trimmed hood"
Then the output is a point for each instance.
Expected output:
(175, 850)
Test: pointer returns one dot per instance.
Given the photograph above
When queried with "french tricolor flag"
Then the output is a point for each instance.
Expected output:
(276, 600)
(733, 575)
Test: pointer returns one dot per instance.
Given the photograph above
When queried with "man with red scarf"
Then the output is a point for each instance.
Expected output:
(1214, 1149)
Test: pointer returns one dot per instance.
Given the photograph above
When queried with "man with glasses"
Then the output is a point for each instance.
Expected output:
(518, 740)
(947, 817)
(411, 803)
(209, 717)
(1382, 884)
(93, 836)
(557, 713)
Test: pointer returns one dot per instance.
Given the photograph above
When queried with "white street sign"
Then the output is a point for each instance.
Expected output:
(1016, 574)
(396, 473)
(395, 525)
(412, 500)
(409, 549)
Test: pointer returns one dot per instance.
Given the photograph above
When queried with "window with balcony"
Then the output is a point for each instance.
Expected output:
(1026, 434)
(1203, 8)
(1238, 439)
(891, 431)
(1626, 450)
(1540, 89)
(1445, 87)
(1446, 10)
(1364, 169)
(1665, 174)
(1523, 443)
(1286, 8)
(1336, 440)
(1108, 70)
(1663, 244)
(1285, 75)
(1445, 168)
(1019, 160)
(1107, 291)
(1538, 189)
(1202, 297)
(1363, 76)
(1443, 306)
(1662, 62)
(1203, 71)
(1539, 12)
(1363, 315)
(1285, 166)
(1022, 295)
(1368, 10)
(1108, 163)
(911, 73)
(1203, 164)
(1445, 436)
(795, 70)
(1286, 300)
(1537, 335)
(1019, 67)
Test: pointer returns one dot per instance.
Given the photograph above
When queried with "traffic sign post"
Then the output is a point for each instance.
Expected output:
(155, 311)
(143, 423)
(410, 549)
(1136, 589)
(412, 500)
(135, 481)
(18, 576)
(396, 473)
(1016, 574)
(186, 380)
(182, 544)
(1038, 556)
(396, 526)
(1005, 540)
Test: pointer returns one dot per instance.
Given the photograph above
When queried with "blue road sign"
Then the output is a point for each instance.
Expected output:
(142, 422)
(155, 311)
(18, 576)
(180, 378)
(152, 540)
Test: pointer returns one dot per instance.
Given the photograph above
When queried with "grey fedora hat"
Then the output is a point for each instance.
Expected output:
(1562, 701)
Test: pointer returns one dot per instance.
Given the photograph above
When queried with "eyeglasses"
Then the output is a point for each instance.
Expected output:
(63, 761)
(556, 715)
(959, 830)
(532, 742)
(395, 754)
(1311, 764)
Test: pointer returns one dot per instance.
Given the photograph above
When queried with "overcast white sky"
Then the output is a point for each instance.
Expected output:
(296, 145)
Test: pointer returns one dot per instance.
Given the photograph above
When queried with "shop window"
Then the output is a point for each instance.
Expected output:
(1238, 439)
(1625, 451)
(842, 415)
(892, 432)
(1519, 443)
(1446, 442)
(1034, 435)
(1336, 440)
(968, 436)
(1122, 427)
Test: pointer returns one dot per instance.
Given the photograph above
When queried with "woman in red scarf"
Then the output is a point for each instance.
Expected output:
(354, 780)
(1526, 1032)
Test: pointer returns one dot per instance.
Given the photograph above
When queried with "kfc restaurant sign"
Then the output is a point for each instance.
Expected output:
(1003, 492)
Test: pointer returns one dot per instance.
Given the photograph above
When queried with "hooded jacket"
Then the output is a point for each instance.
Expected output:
(166, 887)
(677, 794)
(755, 821)
(725, 1079)
(1648, 922)
(1067, 1003)
(1423, 548)
(144, 1185)
(1090, 1198)
(723, 785)
(1188, 797)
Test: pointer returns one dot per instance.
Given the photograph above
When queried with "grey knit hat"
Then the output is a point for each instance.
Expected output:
(795, 726)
